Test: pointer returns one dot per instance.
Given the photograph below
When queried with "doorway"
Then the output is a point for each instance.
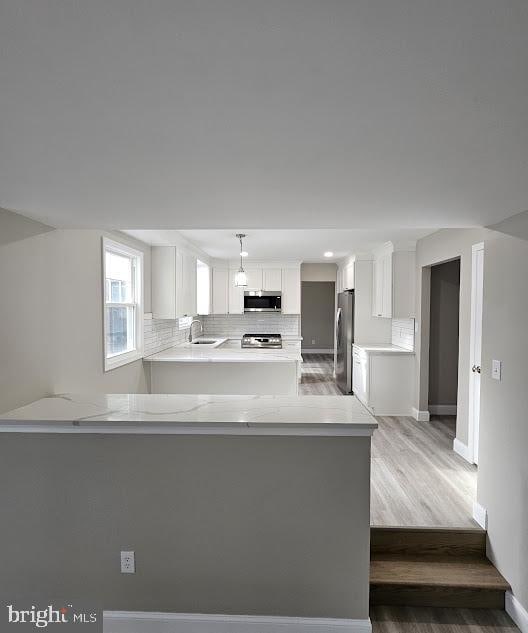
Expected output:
(444, 319)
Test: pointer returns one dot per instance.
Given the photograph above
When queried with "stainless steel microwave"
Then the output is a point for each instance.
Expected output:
(262, 301)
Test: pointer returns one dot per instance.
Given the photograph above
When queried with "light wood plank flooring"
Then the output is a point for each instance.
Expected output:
(317, 376)
(439, 620)
(417, 478)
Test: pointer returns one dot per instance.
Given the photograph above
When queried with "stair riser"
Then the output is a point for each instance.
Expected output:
(428, 542)
(437, 597)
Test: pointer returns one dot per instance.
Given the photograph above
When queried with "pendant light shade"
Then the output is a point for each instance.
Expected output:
(241, 277)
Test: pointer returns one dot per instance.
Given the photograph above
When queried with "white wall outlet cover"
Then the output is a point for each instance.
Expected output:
(128, 562)
(496, 369)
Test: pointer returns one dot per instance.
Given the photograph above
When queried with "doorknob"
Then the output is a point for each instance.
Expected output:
(476, 368)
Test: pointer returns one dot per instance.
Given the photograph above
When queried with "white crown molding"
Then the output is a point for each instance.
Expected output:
(140, 621)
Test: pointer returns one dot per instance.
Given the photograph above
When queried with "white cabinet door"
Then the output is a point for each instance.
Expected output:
(360, 375)
(386, 299)
(272, 279)
(173, 283)
(254, 278)
(163, 282)
(220, 291)
(348, 277)
(236, 295)
(186, 284)
(377, 288)
(291, 290)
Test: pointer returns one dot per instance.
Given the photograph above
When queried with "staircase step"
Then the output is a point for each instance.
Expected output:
(436, 581)
(428, 541)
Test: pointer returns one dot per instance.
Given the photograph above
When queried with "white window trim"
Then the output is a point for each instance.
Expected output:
(126, 357)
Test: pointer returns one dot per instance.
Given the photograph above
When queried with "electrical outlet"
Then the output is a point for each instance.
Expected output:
(496, 369)
(313, 341)
(128, 563)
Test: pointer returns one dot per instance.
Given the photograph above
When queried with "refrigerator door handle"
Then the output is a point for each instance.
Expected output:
(337, 336)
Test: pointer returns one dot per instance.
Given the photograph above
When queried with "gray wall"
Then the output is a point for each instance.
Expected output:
(503, 464)
(51, 313)
(261, 525)
(318, 272)
(443, 335)
(317, 314)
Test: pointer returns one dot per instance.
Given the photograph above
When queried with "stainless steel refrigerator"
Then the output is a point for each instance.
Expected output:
(344, 339)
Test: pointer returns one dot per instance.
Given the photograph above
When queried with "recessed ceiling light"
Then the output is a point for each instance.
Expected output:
(329, 254)
(244, 254)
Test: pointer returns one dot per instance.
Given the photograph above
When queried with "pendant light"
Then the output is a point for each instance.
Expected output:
(241, 277)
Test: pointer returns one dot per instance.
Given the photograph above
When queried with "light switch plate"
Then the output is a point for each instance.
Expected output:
(496, 369)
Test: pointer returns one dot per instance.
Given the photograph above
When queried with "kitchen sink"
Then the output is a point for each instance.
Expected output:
(205, 341)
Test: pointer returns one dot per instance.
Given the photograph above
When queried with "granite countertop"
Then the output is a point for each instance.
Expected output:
(383, 349)
(191, 415)
(205, 354)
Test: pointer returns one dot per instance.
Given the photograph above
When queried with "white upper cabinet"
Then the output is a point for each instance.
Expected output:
(254, 278)
(348, 277)
(291, 290)
(173, 283)
(220, 292)
(236, 295)
(393, 283)
(272, 279)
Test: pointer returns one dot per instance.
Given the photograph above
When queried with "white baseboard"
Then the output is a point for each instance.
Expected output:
(462, 450)
(516, 612)
(421, 416)
(151, 622)
(443, 409)
(480, 515)
(313, 350)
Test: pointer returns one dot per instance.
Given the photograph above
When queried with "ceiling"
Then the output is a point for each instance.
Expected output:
(281, 114)
(302, 245)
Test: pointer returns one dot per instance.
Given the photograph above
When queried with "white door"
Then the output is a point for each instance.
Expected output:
(477, 284)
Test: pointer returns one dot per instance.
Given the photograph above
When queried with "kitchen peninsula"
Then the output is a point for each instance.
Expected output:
(254, 505)
(226, 368)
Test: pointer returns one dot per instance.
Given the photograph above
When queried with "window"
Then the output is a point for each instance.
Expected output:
(123, 304)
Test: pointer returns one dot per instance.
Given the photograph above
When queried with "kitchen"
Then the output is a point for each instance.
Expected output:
(206, 334)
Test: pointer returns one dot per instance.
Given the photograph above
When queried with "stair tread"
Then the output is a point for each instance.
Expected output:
(471, 573)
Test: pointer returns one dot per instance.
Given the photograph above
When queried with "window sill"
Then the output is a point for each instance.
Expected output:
(122, 359)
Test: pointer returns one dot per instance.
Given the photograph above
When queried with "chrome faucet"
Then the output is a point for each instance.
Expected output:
(190, 329)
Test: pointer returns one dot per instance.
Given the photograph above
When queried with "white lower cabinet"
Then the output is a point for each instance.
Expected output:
(383, 382)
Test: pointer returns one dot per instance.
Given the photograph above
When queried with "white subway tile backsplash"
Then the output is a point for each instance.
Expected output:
(236, 325)
(403, 333)
(160, 334)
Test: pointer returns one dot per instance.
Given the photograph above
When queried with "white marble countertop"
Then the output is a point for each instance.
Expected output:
(191, 415)
(205, 354)
(383, 349)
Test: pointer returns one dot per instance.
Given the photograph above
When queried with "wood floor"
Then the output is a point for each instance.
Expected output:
(417, 478)
(317, 376)
(439, 620)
